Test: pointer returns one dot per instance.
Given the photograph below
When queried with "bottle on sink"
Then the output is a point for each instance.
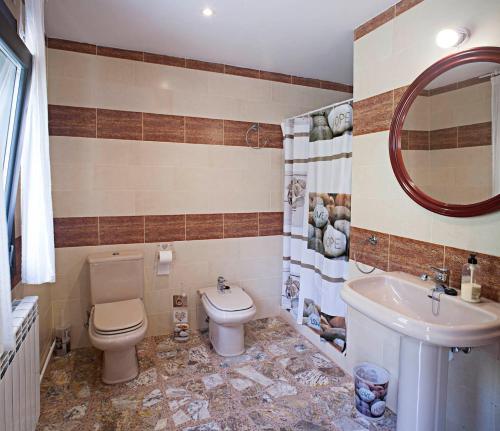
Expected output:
(470, 288)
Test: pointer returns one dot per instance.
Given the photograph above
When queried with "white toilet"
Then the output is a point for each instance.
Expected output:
(228, 310)
(118, 319)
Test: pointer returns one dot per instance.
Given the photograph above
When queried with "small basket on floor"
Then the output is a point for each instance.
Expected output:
(370, 386)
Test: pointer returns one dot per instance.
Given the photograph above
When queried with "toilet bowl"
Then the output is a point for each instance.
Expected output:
(228, 311)
(118, 319)
(116, 328)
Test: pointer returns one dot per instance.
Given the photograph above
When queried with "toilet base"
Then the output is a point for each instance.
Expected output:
(227, 340)
(119, 366)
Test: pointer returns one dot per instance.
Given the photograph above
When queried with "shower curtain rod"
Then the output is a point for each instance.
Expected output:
(491, 75)
(321, 109)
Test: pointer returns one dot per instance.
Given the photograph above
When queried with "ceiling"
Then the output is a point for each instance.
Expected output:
(309, 38)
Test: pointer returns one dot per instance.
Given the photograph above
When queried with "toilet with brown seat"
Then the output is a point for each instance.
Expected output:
(118, 319)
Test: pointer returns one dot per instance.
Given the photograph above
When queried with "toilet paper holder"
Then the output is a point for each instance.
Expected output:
(163, 268)
(166, 246)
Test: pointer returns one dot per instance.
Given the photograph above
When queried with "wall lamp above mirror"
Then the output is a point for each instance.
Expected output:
(444, 141)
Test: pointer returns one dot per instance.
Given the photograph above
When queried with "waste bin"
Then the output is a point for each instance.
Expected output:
(370, 386)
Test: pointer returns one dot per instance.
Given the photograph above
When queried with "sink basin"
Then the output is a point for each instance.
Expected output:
(428, 329)
(400, 302)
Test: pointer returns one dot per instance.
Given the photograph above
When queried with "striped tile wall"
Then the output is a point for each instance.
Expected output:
(167, 60)
(389, 14)
(471, 135)
(396, 253)
(91, 231)
(116, 124)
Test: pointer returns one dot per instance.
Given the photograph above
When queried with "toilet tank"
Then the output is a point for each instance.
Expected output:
(116, 276)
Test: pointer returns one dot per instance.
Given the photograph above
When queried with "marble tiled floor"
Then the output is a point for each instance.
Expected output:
(281, 383)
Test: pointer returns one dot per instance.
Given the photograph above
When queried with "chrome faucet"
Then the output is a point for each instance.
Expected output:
(441, 278)
(221, 284)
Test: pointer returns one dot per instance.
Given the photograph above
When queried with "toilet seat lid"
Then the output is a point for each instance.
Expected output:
(233, 299)
(115, 316)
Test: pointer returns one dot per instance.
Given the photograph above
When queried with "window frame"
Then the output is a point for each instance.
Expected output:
(13, 45)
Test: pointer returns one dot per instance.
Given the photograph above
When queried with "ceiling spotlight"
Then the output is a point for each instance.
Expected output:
(207, 11)
(451, 37)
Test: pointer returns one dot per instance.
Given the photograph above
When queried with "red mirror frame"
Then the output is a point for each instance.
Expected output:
(482, 54)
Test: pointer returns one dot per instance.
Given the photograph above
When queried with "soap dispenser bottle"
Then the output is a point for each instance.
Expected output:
(470, 288)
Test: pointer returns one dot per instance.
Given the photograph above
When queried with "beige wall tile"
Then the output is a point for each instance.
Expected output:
(373, 57)
(84, 80)
(71, 64)
(99, 177)
(239, 87)
(172, 78)
(254, 263)
(394, 54)
(378, 201)
(419, 116)
(62, 90)
(93, 203)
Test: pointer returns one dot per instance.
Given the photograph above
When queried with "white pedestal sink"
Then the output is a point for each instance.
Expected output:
(399, 301)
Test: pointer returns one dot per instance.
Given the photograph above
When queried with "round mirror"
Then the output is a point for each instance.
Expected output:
(445, 135)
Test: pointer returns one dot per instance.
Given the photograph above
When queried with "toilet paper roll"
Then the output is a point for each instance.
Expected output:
(164, 262)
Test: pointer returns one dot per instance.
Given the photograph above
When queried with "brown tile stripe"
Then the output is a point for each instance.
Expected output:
(277, 77)
(121, 230)
(474, 135)
(362, 251)
(241, 225)
(270, 223)
(373, 114)
(375, 22)
(120, 53)
(455, 86)
(395, 253)
(204, 65)
(471, 135)
(384, 17)
(270, 136)
(404, 5)
(165, 228)
(418, 140)
(204, 226)
(204, 131)
(235, 133)
(167, 60)
(412, 256)
(15, 278)
(72, 121)
(454, 258)
(306, 82)
(405, 139)
(166, 128)
(68, 45)
(242, 71)
(84, 231)
(443, 138)
(114, 124)
(76, 231)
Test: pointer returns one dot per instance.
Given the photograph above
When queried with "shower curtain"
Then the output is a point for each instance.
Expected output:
(317, 221)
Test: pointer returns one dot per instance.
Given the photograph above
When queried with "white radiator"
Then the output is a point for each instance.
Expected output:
(20, 371)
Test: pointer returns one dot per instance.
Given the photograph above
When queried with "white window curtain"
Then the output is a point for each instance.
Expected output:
(495, 132)
(6, 334)
(36, 202)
